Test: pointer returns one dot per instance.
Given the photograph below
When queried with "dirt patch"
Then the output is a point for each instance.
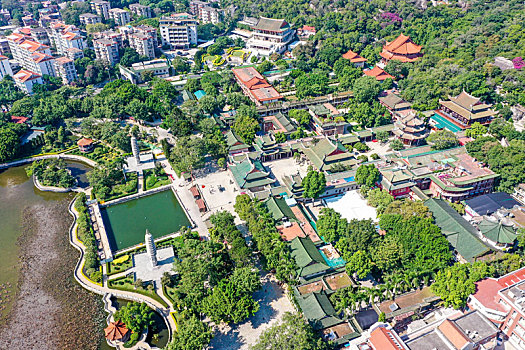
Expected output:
(51, 310)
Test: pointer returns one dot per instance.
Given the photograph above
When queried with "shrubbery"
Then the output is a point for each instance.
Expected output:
(86, 235)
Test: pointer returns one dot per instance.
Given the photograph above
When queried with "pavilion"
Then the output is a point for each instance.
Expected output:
(117, 331)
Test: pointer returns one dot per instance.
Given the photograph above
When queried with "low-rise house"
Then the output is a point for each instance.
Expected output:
(255, 86)
(487, 204)
(394, 103)
(159, 68)
(234, 143)
(306, 31)
(277, 123)
(378, 73)
(402, 49)
(462, 236)
(309, 261)
(464, 110)
(327, 120)
(519, 193)
(355, 58)
(324, 154)
(270, 36)
(251, 175)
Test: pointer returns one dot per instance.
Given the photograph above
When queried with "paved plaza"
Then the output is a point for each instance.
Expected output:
(142, 264)
(352, 206)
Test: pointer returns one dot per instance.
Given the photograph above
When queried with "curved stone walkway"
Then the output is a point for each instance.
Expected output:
(103, 290)
(50, 156)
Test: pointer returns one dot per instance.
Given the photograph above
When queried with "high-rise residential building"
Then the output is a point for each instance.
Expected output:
(65, 36)
(120, 16)
(270, 36)
(89, 18)
(38, 34)
(111, 35)
(101, 7)
(204, 12)
(74, 53)
(106, 50)
(143, 44)
(142, 39)
(65, 69)
(26, 80)
(178, 30)
(4, 47)
(31, 54)
(5, 67)
(141, 10)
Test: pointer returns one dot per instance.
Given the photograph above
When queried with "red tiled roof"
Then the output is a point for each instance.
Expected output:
(259, 88)
(26, 75)
(353, 57)
(453, 334)
(378, 73)
(33, 46)
(194, 191)
(308, 29)
(383, 339)
(18, 120)
(201, 204)
(63, 60)
(84, 142)
(25, 30)
(401, 49)
(40, 57)
(116, 331)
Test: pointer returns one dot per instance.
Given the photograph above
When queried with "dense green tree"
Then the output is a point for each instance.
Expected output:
(314, 184)
(290, 334)
(360, 263)
(330, 225)
(408, 209)
(379, 199)
(476, 130)
(246, 127)
(301, 116)
(311, 85)
(9, 144)
(192, 334)
(136, 316)
(367, 175)
(366, 89)
(442, 139)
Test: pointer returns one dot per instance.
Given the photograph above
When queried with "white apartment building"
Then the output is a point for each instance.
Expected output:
(74, 53)
(111, 35)
(26, 79)
(65, 36)
(106, 50)
(65, 69)
(208, 14)
(160, 68)
(120, 16)
(141, 10)
(30, 54)
(101, 7)
(5, 67)
(178, 30)
(143, 44)
(204, 12)
(89, 18)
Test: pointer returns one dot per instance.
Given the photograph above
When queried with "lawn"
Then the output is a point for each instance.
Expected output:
(127, 284)
(152, 180)
(238, 53)
(125, 189)
(120, 264)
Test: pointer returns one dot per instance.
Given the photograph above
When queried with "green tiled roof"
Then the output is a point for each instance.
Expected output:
(497, 232)
(279, 209)
(249, 174)
(460, 234)
(319, 153)
(233, 142)
(388, 127)
(318, 310)
(348, 139)
(364, 133)
(307, 257)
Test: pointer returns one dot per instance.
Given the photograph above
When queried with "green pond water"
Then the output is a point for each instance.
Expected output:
(126, 223)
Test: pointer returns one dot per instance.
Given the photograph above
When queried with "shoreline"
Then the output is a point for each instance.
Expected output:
(54, 310)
